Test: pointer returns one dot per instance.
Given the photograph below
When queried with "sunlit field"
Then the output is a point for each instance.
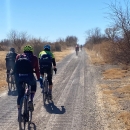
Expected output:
(60, 55)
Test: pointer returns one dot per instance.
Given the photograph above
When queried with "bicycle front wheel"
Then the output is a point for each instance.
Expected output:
(23, 114)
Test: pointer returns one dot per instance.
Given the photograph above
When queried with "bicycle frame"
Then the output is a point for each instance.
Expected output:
(26, 115)
(45, 88)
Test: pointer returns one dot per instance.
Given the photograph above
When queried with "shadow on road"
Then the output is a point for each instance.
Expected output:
(51, 108)
(13, 93)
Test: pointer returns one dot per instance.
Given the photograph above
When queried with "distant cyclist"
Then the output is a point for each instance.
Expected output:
(81, 47)
(77, 49)
(10, 61)
(46, 59)
(25, 65)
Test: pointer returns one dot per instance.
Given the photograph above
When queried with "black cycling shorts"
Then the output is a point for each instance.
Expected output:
(49, 73)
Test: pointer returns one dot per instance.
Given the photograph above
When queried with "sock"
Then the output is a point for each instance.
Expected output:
(32, 96)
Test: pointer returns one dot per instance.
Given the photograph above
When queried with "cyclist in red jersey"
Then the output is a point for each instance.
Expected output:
(28, 52)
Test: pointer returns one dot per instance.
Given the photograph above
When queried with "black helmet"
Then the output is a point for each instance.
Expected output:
(12, 49)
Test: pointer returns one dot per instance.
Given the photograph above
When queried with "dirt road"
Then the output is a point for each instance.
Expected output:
(74, 104)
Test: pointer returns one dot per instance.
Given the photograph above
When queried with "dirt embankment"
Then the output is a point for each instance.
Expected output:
(113, 93)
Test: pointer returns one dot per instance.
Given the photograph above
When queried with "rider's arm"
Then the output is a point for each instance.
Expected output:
(36, 66)
(53, 60)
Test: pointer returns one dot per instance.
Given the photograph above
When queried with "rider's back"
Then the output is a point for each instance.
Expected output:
(10, 56)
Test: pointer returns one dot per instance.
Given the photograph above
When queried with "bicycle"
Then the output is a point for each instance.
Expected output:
(45, 86)
(25, 114)
(11, 82)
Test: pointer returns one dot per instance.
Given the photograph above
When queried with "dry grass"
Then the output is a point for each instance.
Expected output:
(114, 73)
(114, 93)
(60, 55)
(3, 83)
(125, 117)
(2, 60)
(94, 57)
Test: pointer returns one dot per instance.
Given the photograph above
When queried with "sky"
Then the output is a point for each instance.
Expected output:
(51, 20)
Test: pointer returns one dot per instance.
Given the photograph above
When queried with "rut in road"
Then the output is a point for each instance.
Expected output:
(74, 100)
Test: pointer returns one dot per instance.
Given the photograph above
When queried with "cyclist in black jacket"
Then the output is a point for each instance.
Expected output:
(10, 61)
(47, 67)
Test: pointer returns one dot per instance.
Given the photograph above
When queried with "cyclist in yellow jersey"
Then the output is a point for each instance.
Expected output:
(46, 60)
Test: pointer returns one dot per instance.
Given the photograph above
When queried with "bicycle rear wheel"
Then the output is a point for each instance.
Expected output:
(45, 91)
(30, 119)
(13, 86)
(23, 114)
(11, 83)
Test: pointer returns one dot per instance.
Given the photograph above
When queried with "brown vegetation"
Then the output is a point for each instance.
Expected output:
(114, 95)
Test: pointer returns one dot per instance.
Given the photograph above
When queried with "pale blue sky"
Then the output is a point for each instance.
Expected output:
(52, 19)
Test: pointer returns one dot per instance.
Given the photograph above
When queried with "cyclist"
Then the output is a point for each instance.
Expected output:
(46, 66)
(10, 61)
(77, 49)
(81, 47)
(25, 65)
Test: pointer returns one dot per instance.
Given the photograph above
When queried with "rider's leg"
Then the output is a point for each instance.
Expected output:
(8, 72)
(41, 81)
(41, 76)
(7, 75)
(20, 91)
(32, 82)
(50, 82)
(33, 86)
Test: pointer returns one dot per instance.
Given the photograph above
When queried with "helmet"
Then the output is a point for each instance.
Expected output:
(48, 47)
(12, 49)
(28, 48)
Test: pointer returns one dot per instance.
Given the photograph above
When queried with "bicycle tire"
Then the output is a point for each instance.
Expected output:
(30, 119)
(23, 115)
(45, 91)
(11, 83)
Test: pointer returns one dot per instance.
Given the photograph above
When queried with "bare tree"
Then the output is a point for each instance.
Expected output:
(120, 17)
(111, 33)
(94, 36)
(18, 39)
(71, 40)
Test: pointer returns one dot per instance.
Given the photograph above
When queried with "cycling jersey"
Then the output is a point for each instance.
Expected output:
(50, 53)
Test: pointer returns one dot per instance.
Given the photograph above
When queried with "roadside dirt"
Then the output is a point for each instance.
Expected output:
(81, 99)
(113, 92)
